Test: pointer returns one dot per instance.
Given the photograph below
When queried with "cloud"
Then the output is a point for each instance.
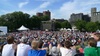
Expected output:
(75, 6)
(31, 12)
(65, 10)
(20, 5)
(38, 9)
(44, 5)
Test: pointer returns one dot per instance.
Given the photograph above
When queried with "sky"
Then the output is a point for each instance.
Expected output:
(59, 8)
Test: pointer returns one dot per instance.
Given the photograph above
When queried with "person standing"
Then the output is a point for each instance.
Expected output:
(66, 50)
(91, 50)
(23, 48)
(36, 51)
(97, 38)
(9, 48)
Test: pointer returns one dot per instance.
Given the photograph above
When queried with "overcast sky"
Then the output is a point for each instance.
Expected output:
(59, 8)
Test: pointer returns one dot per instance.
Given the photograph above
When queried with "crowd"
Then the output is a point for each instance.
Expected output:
(51, 43)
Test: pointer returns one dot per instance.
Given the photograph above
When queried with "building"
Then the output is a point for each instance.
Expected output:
(79, 16)
(48, 25)
(75, 17)
(86, 18)
(95, 16)
(45, 13)
(39, 14)
(59, 20)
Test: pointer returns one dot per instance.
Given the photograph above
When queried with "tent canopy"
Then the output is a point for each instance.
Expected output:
(69, 29)
(98, 31)
(22, 28)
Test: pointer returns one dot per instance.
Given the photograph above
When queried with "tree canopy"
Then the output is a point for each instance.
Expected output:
(15, 19)
(87, 26)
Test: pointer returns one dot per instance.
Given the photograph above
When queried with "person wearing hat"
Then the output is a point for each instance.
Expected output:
(23, 48)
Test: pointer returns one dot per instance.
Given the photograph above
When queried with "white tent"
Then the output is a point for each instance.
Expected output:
(22, 28)
(65, 29)
(61, 29)
(98, 31)
(68, 29)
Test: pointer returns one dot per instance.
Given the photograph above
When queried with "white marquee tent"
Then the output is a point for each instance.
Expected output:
(68, 29)
(22, 28)
(98, 31)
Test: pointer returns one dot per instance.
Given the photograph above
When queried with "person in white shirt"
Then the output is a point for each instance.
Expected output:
(9, 48)
(66, 50)
(23, 48)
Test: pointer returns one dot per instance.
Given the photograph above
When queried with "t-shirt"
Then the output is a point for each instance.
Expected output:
(66, 52)
(8, 50)
(98, 47)
(36, 52)
(91, 51)
(22, 49)
(98, 44)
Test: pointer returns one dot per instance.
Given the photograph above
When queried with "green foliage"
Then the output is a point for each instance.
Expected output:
(44, 18)
(98, 24)
(65, 24)
(35, 22)
(16, 19)
(57, 25)
(2, 22)
(87, 26)
(80, 24)
(91, 26)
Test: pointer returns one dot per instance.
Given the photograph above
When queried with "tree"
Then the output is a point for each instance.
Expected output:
(57, 25)
(44, 18)
(35, 22)
(91, 26)
(16, 19)
(80, 24)
(98, 24)
(2, 22)
(65, 24)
